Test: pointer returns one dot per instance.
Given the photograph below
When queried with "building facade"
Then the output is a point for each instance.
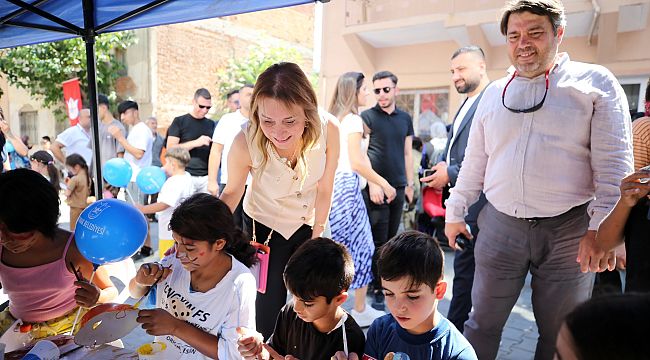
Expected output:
(416, 38)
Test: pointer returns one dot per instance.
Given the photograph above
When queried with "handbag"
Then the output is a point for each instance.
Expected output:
(260, 269)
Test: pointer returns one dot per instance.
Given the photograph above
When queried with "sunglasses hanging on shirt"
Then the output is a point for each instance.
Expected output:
(530, 109)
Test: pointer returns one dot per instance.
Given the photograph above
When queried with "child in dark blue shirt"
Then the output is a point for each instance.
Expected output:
(410, 267)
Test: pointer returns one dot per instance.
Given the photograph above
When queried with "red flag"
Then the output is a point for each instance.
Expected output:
(72, 97)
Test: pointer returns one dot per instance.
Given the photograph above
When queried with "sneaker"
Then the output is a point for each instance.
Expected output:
(144, 252)
(378, 301)
(367, 316)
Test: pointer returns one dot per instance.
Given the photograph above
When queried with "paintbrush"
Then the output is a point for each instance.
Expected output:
(135, 306)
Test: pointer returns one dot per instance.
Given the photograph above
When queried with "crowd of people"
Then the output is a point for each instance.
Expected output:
(543, 173)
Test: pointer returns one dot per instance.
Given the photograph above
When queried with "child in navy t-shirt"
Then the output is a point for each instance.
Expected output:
(410, 267)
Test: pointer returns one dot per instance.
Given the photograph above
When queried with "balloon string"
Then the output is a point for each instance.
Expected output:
(128, 195)
(74, 324)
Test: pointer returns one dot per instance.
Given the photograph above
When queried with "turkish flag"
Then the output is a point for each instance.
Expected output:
(72, 97)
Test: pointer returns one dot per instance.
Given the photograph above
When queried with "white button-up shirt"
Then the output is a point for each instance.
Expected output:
(575, 149)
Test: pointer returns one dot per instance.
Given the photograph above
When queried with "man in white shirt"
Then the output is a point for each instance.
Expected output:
(549, 145)
(137, 145)
(75, 140)
(137, 152)
(468, 72)
(224, 133)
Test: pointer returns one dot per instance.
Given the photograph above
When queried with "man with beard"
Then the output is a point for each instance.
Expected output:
(469, 77)
(549, 145)
(390, 153)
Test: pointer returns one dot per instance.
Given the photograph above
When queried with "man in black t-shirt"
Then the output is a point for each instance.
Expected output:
(193, 132)
(390, 153)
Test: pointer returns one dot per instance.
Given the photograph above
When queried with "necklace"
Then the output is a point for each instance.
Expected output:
(286, 161)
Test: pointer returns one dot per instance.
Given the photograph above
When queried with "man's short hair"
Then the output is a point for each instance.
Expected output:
(231, 93)
(126, 105)
(103, 99)
(179, 154)
(46, 138)
(247, 85)
(202, 92)
(320, 267)
(553, 9)
(474, 49)
(413, 254)
(385, 74)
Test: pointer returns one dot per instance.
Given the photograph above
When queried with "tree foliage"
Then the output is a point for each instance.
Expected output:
(40, 69)
(245, 70)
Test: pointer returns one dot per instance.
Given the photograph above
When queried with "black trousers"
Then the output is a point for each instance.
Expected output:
(384, 221)
(461, 300)
(268, 305)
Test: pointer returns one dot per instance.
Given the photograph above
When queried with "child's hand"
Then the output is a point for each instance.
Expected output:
(87, 294)
(340, 355)
(249, 344)
(275, 356)
(632, 189)
(158, 322)
(149, 273)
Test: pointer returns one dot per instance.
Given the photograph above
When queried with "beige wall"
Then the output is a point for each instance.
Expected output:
(426, 64)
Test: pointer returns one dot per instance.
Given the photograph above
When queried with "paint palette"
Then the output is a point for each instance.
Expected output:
(105, 323)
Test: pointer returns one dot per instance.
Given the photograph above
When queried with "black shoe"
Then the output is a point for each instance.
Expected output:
(378, 301)
(144, 252)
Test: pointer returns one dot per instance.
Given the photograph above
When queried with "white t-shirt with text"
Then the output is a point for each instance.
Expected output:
(218, 311)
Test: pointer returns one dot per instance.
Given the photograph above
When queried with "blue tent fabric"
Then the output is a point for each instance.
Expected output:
(15, 31)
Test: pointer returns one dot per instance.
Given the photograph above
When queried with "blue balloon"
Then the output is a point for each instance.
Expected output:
(110, 230)
(151, 179)
(117, 172)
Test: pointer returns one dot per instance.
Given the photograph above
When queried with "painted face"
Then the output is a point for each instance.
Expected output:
(16, 242)
(362, 96)
(314, 309)
(385, 99)
(283, 125)
(565, 348)
(412, 307)
(532, 46)
(466, 70)
(195, 254)
(201, 107)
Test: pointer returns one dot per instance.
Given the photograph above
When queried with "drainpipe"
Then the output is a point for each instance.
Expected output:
(594, 21)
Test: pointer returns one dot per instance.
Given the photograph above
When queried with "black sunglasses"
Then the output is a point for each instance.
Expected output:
(385, 89)
(205, 107)
(531, 109)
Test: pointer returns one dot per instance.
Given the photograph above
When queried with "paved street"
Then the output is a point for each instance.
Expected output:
(519, 336)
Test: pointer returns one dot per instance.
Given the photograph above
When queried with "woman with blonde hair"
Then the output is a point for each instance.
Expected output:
(291, 151)
(349, 218)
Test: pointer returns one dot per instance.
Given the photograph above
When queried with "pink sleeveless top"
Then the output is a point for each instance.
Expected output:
(39, 293)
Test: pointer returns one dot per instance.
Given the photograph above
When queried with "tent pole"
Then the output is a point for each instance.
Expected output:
(91, 68)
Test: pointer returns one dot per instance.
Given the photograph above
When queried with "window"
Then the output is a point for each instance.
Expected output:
(427, 107)
(634, 88)
(29, 126)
